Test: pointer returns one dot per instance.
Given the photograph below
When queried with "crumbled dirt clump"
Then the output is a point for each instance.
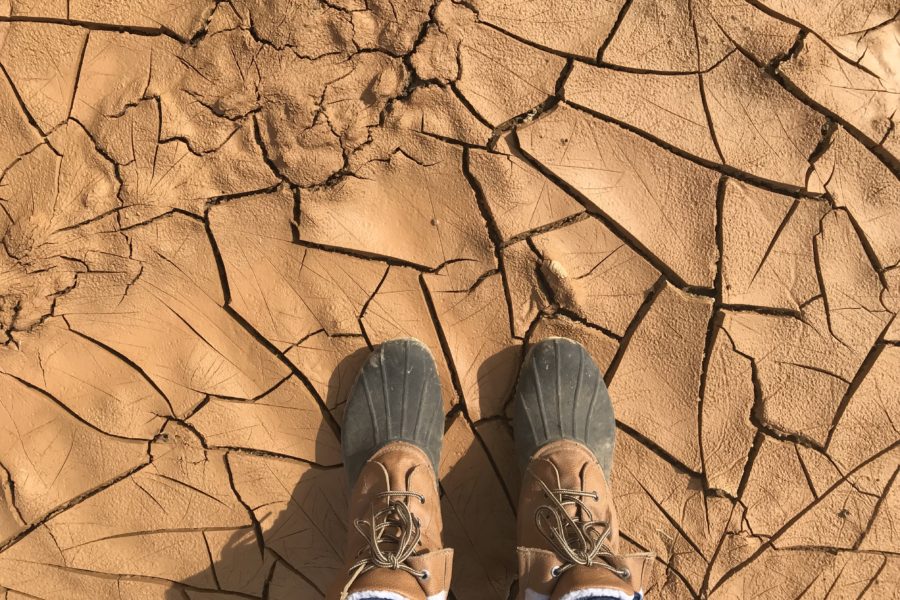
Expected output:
(211, 211)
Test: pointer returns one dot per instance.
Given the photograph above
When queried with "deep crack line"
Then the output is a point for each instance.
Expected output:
(71, 503)
(852, 386)
(714, 325)
(889, 160)
(69, 411)
(493, 231)
(536, 112)
(633, 326)
(257, 527)
(723, 168)
(620, 18)
(99, 26)
(877, 509)
(774, 537)
(704, 101)
(259, 337)
(594, 211)
(24, 107)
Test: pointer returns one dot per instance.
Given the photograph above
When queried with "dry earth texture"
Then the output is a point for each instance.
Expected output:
(212, 211)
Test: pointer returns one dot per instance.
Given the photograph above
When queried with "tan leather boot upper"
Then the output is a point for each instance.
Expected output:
(568, 532)
(394, 547)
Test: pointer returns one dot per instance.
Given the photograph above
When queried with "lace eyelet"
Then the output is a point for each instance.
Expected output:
(554, 572)
(625, 574)
(425, 575)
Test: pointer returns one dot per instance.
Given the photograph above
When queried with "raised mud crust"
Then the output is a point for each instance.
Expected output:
(561, 395)
(396, 397)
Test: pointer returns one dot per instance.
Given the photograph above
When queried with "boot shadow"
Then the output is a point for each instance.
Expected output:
(295, 547)
(479, 485)
(497, 380)
(301, 511)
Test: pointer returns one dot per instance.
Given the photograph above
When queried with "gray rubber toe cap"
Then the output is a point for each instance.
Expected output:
(396, 396)
(561, 395)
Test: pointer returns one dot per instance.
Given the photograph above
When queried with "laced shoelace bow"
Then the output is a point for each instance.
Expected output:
(576, 541)
(391, 535)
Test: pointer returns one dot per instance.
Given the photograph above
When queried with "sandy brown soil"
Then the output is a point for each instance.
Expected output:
(211, 211)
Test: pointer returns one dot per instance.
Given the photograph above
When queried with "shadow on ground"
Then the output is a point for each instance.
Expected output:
(294, 549)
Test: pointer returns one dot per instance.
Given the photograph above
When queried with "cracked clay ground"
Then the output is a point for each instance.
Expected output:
(212, 210)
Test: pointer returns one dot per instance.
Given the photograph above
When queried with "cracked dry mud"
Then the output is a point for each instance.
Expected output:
(212, 210)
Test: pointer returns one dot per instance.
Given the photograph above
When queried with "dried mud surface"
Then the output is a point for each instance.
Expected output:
(212, 210)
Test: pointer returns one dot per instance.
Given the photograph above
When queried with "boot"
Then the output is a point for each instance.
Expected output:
(568, 533)
(391, 441)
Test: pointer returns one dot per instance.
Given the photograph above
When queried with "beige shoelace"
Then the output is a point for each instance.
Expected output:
(391, 535)
(576, 541)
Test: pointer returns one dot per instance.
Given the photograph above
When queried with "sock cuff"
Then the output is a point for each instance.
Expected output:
(600, 594)
(376, 595)
(588, 594)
